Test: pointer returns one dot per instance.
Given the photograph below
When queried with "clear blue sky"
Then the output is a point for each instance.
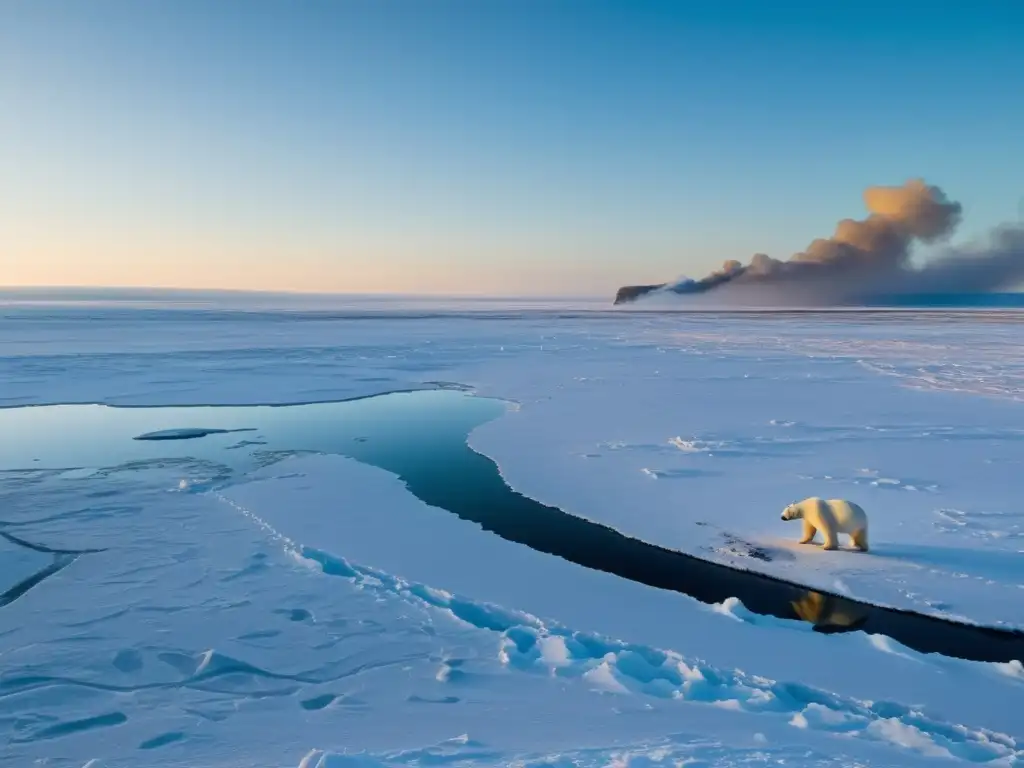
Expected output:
(484, 146)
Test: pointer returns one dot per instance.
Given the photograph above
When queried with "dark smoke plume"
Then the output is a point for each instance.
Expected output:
(868, 261)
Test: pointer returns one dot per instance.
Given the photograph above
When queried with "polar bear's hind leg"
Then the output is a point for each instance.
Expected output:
(860, 539)
(809, 531)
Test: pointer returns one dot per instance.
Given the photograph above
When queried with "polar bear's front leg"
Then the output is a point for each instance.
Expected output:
(809, 531)
(830, 539)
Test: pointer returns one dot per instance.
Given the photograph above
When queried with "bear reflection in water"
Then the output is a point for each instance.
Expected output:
(829, 613)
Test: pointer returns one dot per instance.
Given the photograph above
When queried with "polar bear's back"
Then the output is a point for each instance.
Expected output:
(848, 516)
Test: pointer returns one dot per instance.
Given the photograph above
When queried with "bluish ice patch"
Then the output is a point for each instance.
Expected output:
(188, 433)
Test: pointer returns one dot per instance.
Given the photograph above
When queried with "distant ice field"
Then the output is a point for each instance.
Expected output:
(298, 615)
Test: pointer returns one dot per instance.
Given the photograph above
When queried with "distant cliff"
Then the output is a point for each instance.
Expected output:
(633, 292)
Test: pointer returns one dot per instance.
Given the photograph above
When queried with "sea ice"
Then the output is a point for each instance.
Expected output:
(186, 433)
(174, 643)
(495, 572)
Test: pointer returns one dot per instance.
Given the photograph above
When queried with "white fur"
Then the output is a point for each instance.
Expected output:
(831, 517)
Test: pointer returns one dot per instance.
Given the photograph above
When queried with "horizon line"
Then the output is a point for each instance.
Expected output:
(290, 292)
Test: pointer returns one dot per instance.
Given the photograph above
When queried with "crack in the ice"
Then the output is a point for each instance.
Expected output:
(62, 558)
(16, 540)
(59, 563)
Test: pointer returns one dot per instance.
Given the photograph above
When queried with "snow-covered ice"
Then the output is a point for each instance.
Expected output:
(313, 612)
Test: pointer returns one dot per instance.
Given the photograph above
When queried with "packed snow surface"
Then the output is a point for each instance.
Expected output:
(312, 612)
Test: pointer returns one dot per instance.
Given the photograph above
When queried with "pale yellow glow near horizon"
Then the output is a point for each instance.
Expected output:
(207, 266)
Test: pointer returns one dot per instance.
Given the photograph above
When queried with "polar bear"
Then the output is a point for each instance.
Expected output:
(831, 517)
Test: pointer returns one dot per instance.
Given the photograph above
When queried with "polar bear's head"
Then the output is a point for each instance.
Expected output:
(792, 512)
